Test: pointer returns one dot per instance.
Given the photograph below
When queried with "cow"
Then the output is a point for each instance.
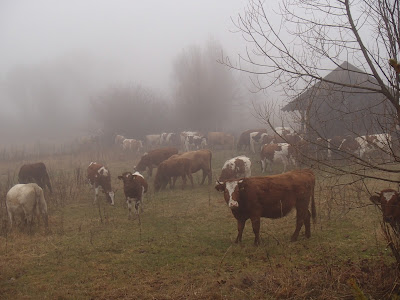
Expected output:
(134, 187)
(389, 202)
(153, 158)
(170, 139)
(172, 168)
(220, 139)
(244, 138)
(200, 160)
(26, 200)
(271, 153)
(133, 145)
(152, 140)
(271, 197)
(119, 139)
(259, 138)
(35, 173)
(194, 142)
(237, 167)
(375, 145)
(99, 176)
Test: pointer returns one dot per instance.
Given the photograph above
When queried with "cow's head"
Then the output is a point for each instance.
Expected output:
(231, 189)
(389, 201)
(126, 177)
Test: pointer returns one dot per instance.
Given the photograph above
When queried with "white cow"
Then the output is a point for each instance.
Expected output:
(257, 139)
(237, 167)
(26, 200)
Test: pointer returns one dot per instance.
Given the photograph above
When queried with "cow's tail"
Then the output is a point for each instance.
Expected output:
(313, 209)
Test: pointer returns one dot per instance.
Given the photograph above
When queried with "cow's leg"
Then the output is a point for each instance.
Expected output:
(96, 192)
(183, 181)
(307, 224)
(263, 163)
(240, 225)
(300, 215)
(255, 222)
(191, 179)
(11, 217)
(150, 171)
(137, 205)
(204, 176)
(172, 182)
(129, 202)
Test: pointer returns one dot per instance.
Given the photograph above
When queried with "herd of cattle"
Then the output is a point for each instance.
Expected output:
(248, 197)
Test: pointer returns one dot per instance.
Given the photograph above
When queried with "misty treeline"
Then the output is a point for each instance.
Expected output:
(76, 97)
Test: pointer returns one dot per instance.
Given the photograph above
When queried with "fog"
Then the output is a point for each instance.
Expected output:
(73, 50)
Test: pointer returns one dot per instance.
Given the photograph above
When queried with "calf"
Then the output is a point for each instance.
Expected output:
(271, 197)
(35, 173)
(236, 167)
(169, 170)
(154, 158)
(389, 202)
(134, 187)
(26, 200)
(99, 176)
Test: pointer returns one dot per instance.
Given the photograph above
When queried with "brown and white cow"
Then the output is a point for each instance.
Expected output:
(200, 160)
(272, 153)
(172, 168)
(153, 158)
(132, 145)
(99, 176)
(35, 173)
(221, 139)
(271, 197)
(194, 142)
(389, 202)
(244, 138)
(26, 201)
(237, 167)
(134, 188)
(259, 138)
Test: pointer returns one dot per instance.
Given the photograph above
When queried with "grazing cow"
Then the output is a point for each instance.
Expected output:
(169, 170)
(134, 187)
(35, 173)
(220, 139)
(200, 160)
(244, 138)
(237, 167)
(152, 140)
(154, 158)
(26, 200)
(271, 197)
(259, 138)
(271, 153)
(389, 202)
(99, 176)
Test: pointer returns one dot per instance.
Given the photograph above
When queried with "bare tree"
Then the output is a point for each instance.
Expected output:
(204, 90)
(312, 38)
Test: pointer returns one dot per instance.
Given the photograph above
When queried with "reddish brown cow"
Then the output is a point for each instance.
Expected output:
(99, 176)
(169, 170)
(154, 158)
(134, 187)
(236, 167)
(271, 197)
(35, 173)
(200, 160)
(389, 201)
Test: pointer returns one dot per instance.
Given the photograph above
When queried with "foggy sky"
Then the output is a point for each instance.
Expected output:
(140, 38)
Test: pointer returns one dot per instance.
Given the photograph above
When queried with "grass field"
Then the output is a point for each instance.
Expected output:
(182, 246)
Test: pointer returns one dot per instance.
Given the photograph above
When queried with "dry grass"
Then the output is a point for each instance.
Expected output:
(182, 248)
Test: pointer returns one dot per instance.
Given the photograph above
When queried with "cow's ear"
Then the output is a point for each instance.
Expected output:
(220, 186)
(375, 199)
